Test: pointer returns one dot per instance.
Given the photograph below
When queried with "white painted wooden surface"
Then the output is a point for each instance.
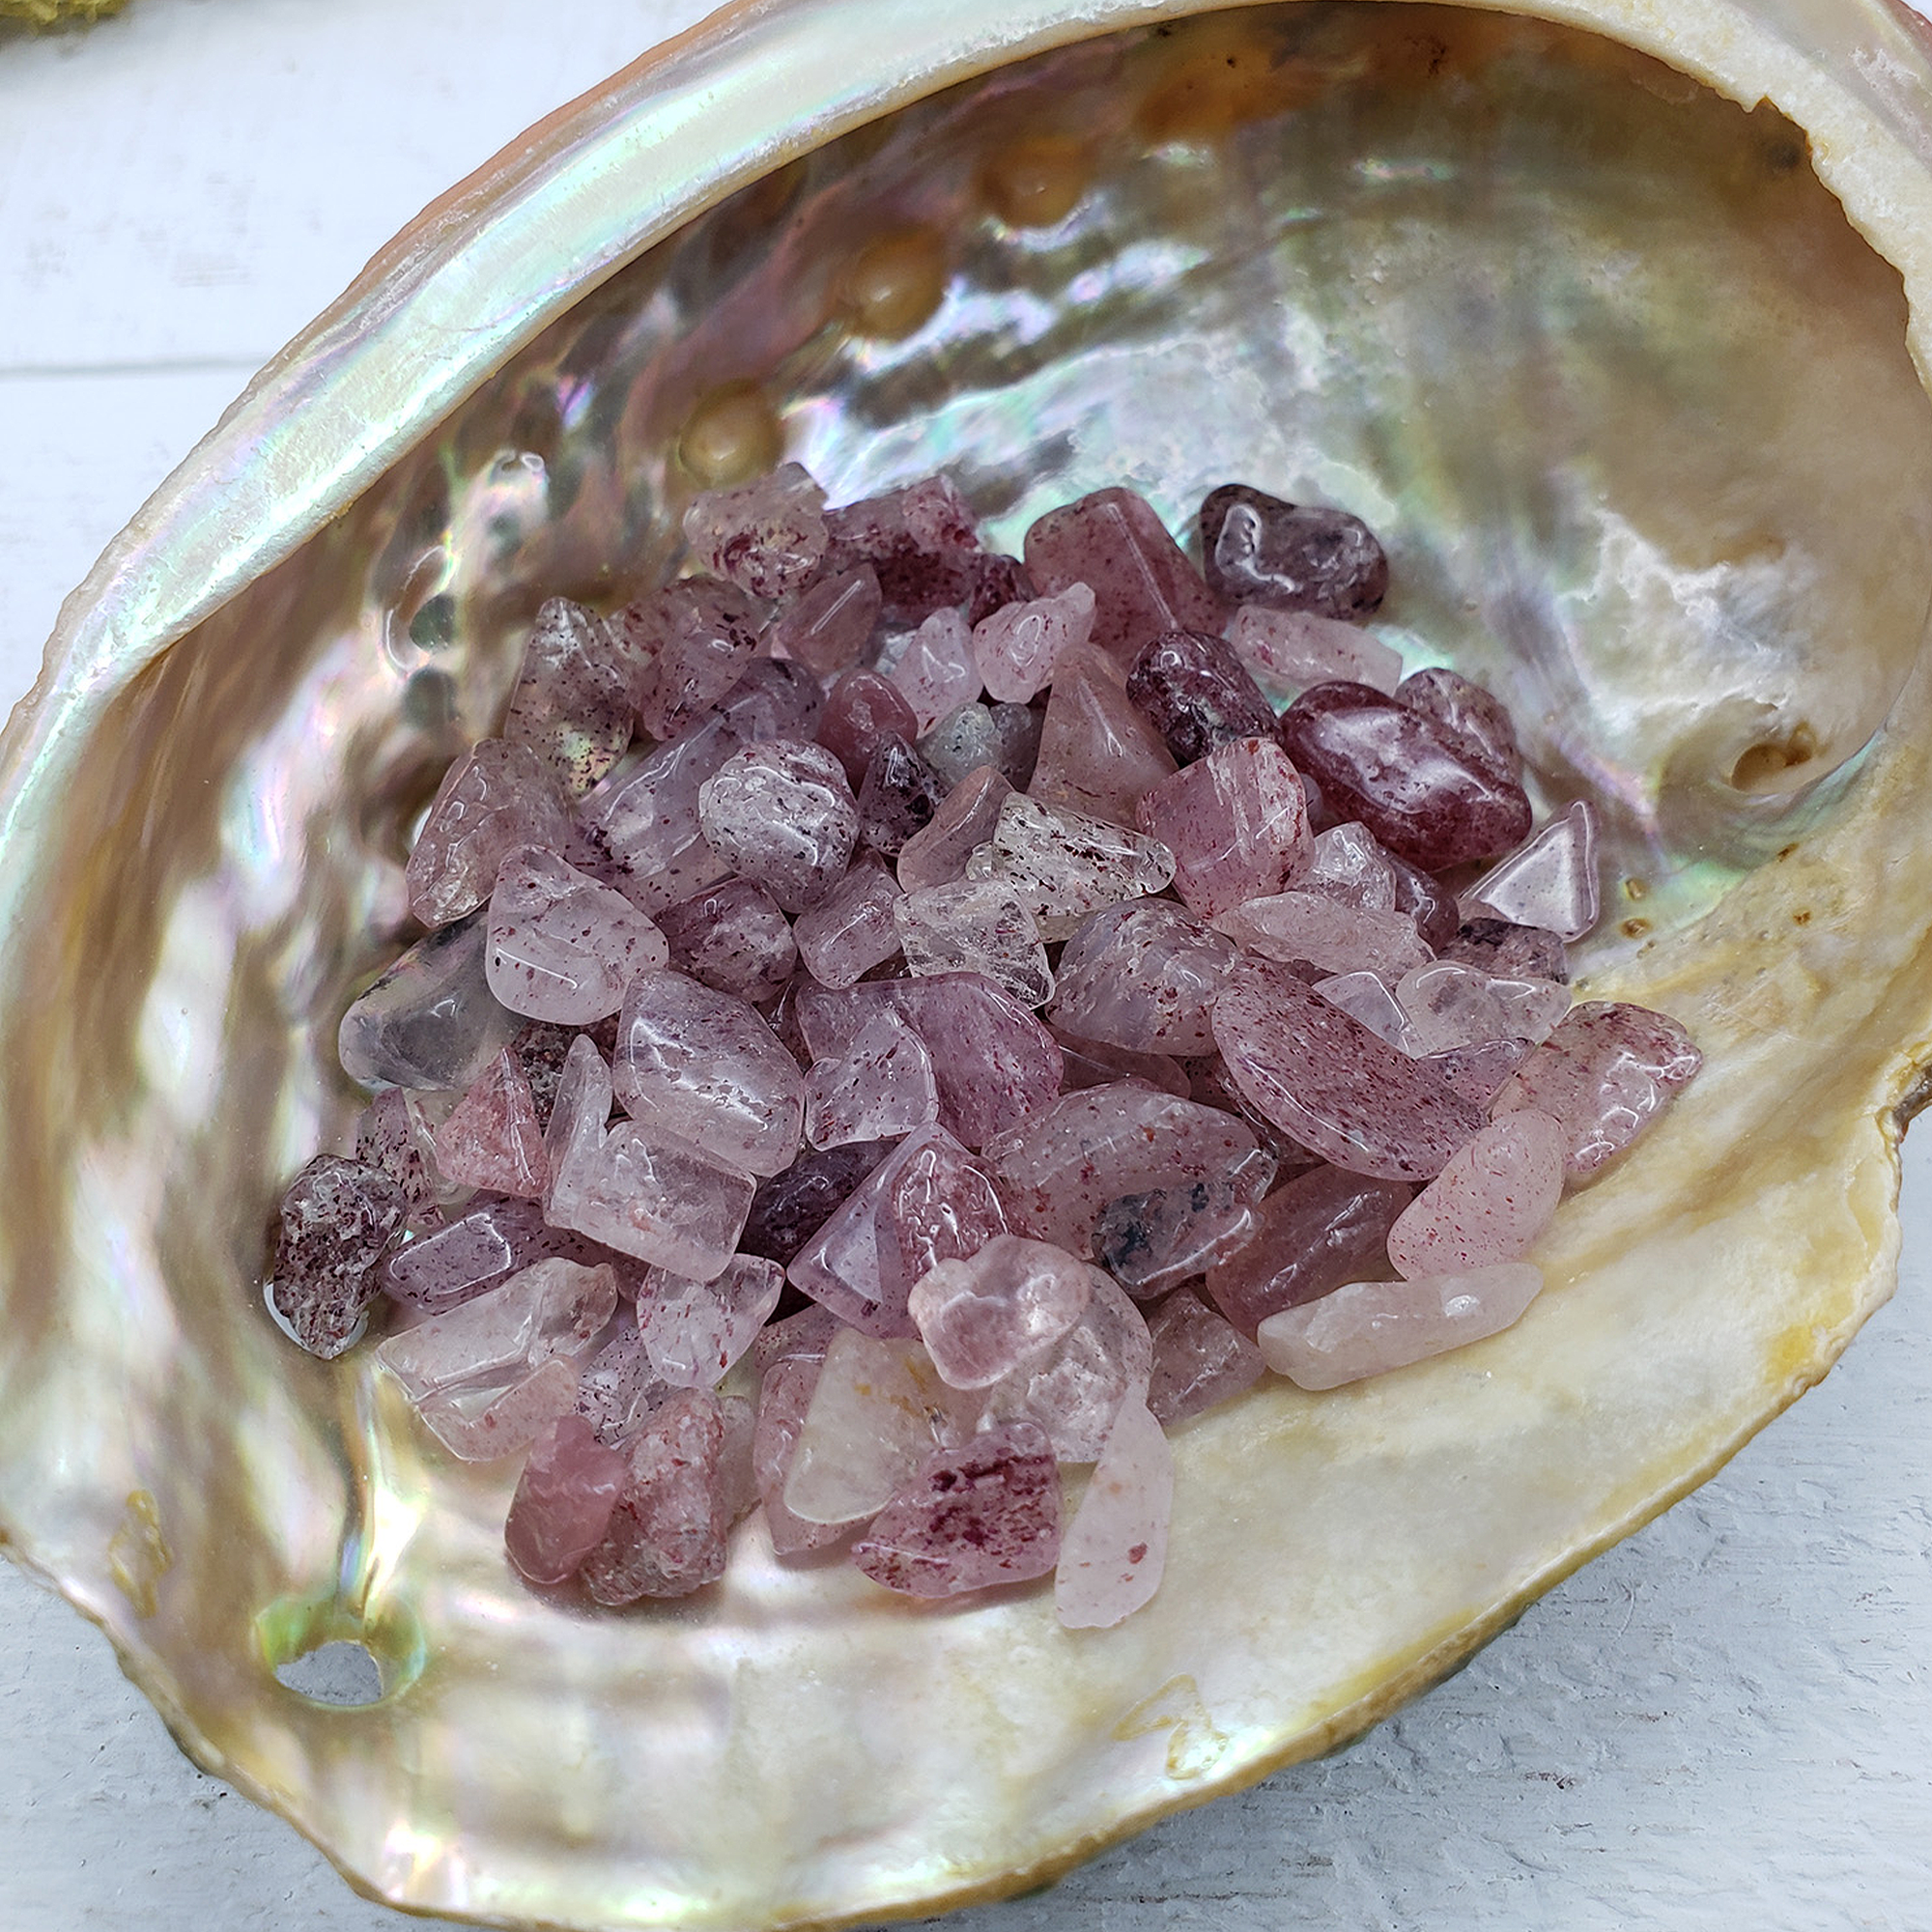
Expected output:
(1722, 1724)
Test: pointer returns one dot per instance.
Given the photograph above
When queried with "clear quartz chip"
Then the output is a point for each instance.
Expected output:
(1064, 865)
(561, 945)
(1548, 882)
(975, 925)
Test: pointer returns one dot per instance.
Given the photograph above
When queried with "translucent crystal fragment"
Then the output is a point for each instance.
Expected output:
(1426, 901)
(1143, 976)
(791, 1207)
(870, 1424)
(1490, 1203)
(1505, 950)
(862, 709)
(573, 704)
(1200, 1359)
(1479, 1072)
(781, 814)
(1098, 754)
(496, 797)
(1237, 822)
(1474, 718)
(1195, 692)
(921, 541)
(1018, 648)
(830, 625)
(937, 672)
(618, 1389)
(550, 1309)
(1604, 1074)
(394, 1135)
(1114, 1550)
(1328, 934)
(1328, 1082)
(694, 1330)
(936, 854)
(1004, 737)
(785, 1396)
(1058, 1169)
(643, 817)
(975, 925)
(482, 1422)
(1449, 1005)
(697, 1064)
(881, 1089)
(898, 796)
(927, 1202)
(999, 1309)
(1154, 1240)
(1348, 863)
(1403, 775)
(767, 537)
(492, 1239)
(1075, 1390)
(1551, 881)
(994, 1061)
(851, 930)
(1286, 651)
(732, 937)
(1064, 865)
(803, 1337)
(985, 1514)
(1366, 997)
(651, 1195)
(563, 1501)
(337, 1218)
(541, 1050)
(431, 1021)
(561, 946)
(579, 1117)
(1142, 581)
(1368, 1328)
(665, 1536)
(492, 1138)
(1258, 549)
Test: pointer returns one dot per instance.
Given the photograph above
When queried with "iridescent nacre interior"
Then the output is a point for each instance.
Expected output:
(1630, 400)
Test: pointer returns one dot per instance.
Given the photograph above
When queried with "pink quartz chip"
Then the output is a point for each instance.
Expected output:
(643, 817)
(665, 1535)
(830, 625)
(694, 1330)
(1368, 1328)
(1489, 1203)
(767, 537)
(975, 925)
(690, 642)
(998, 1309)
(929, 1201)
(1143, 976)
(492, 1138)
(1365, 996)
(881, 1088)
(394, 1135)
(1313, 1233)
(654, 1196)
(1348, 863)
(1326, 1081)
(1018, 648)
(1237, 822)
(971, 1517)
(1075, 1390)
(937, 671)
(482, 1423)
(563, 1501)
(337, 1218)
(1551, 881)
(1142, 582)
(783, 815)
(1098, 754)
(1115, 1550)
(937, 853)
(1286, 651)
(862, 708)
(695, 1062)
(1064, 865)
(573, 704)
(1447, 1003)
(495, 798)
(872, 1420)
(1200, 1359)
(785, 1396)
(561, 946)
(1058, 1169)
(851, 930)
(1331, 936)
(735, 938)
(1606, 1073)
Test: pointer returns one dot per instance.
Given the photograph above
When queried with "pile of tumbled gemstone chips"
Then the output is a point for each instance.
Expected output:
(897, 1019)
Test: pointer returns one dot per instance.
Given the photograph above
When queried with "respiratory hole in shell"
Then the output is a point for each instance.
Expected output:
(342, 1675)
